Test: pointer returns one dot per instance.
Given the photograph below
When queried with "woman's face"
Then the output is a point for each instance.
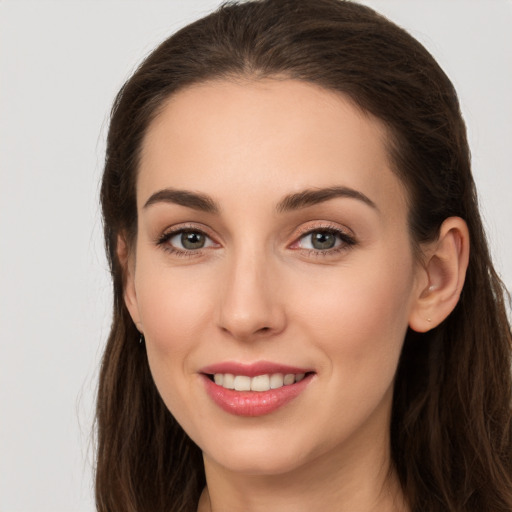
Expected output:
(272, 241)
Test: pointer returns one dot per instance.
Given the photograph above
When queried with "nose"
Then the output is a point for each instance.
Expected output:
(250, 305)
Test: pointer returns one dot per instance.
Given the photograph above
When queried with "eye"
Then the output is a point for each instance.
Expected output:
(324, 240)
(319, 240)
(189, 240)
(185, 241)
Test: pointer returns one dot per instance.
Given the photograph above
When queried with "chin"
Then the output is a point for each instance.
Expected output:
(258, 456)
(261, 465)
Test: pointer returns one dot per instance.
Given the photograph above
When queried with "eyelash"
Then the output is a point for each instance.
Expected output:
(162, 241)
(347, 241)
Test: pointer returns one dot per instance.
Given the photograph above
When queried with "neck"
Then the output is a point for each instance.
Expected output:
(360, 478)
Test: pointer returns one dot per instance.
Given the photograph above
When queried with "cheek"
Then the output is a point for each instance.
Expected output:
(172, 304)
(174, 309)
(358, 321)
(361, 315)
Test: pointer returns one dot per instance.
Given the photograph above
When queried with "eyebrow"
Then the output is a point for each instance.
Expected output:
(296, 201)
(311, 197)
(186, 198)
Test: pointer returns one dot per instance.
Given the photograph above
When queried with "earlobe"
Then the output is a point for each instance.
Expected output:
(445, 268)
(127, 263)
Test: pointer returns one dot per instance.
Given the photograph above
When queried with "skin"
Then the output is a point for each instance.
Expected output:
(257, 290)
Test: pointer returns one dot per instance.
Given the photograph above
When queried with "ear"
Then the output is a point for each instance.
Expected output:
(444, 271)
(127, 262)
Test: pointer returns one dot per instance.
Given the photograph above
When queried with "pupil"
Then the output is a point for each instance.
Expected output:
(192, 240)
(323, 240)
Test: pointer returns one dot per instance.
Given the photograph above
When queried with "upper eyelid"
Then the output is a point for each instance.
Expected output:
(326, 226)
(179, 228)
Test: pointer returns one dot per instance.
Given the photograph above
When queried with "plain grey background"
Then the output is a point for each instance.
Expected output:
(61, 63)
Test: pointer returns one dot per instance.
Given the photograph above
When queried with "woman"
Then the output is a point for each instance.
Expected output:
(299, 321)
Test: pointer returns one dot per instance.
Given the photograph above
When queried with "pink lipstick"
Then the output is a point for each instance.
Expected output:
(254, 389)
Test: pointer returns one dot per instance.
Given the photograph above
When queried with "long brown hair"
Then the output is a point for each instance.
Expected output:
(451, 423)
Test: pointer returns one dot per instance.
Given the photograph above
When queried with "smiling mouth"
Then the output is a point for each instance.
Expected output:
(258, 383)
(251, 392)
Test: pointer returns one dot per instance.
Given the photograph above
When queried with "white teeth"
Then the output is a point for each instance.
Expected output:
(276, 381)
(289, 378)
(242, 383)
(258, 383)
(228, 381)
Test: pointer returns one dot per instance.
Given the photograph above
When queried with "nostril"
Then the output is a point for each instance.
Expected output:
(264, 331)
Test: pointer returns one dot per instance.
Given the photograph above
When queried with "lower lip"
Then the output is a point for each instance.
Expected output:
(254, 403)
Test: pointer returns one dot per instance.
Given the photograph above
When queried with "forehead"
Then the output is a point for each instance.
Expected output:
(270, 136)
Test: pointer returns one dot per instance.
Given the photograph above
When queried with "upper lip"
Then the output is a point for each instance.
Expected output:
(252, 369)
